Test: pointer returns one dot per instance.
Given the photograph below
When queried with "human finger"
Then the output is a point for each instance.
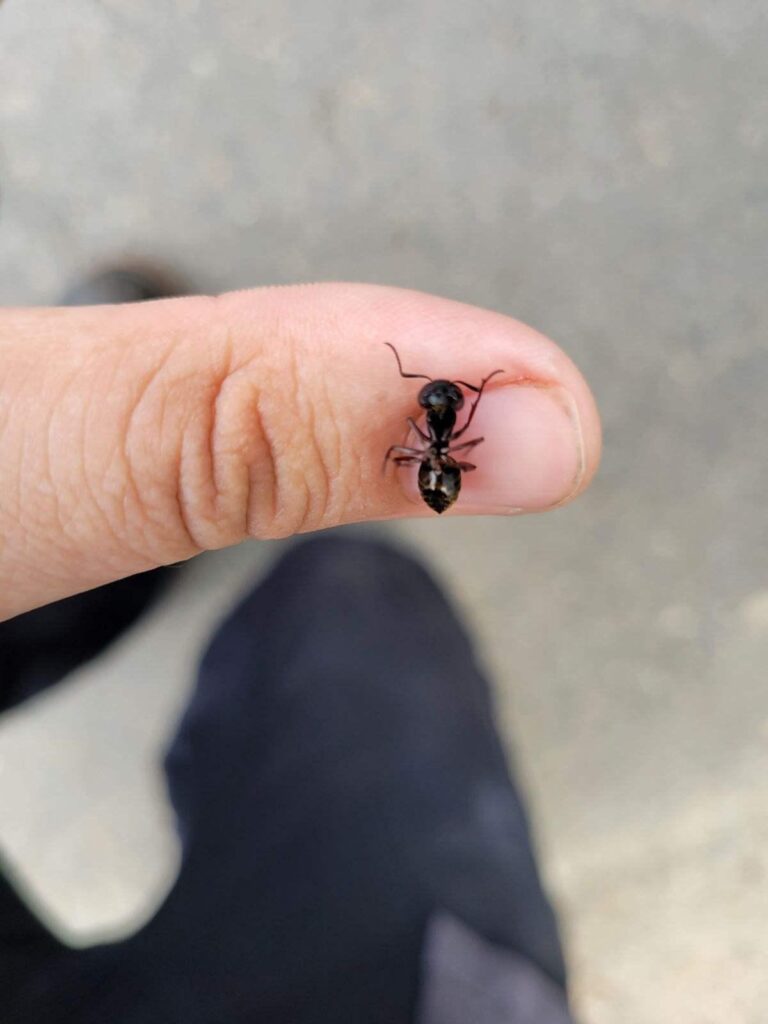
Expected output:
(139, 435)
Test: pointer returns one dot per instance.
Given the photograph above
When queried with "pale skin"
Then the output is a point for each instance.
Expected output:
(139, 435)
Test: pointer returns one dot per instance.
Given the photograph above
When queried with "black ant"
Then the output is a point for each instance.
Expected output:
(439, 473)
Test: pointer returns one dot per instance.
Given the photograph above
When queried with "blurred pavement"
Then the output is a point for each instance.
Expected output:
(596, 169)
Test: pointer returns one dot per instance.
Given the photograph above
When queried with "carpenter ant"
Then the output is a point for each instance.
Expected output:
(439, 473)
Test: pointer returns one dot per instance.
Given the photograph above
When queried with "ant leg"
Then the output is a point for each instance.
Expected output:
(466, 445)
(405, 460)
(467, 467)
(423, 376)
(479, 391)
(417, 429)
(402, 450)
(411, 453)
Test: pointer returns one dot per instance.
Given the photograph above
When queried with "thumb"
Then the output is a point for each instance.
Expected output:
(134, 436)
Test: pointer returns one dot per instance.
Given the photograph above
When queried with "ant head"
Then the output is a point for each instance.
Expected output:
(440, 395)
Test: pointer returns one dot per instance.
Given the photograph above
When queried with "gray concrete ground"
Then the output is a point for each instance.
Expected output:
(596, 168)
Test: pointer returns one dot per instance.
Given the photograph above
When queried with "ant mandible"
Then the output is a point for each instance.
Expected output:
(439, 472)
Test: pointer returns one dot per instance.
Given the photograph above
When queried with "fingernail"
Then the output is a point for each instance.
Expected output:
(532, 457)
(533, 454)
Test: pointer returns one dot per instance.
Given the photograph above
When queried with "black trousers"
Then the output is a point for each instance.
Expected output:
(354, 849)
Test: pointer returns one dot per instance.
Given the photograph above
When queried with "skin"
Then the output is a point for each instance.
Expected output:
(139, 435)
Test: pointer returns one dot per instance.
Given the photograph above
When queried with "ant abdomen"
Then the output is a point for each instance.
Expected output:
(439, 485)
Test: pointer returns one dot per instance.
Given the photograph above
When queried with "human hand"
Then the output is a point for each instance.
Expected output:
(139, 435)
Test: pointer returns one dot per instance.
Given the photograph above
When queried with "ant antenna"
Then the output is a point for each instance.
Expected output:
(423, 376)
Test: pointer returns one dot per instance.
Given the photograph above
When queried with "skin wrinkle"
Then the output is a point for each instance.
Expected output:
(253, 492)
(238, 400)
(156, 512)
(243, 529)
(102, 499)
(300, 523)
(244, 447)
(227, 348)
(317, 487)
(235, 428)
(134, 429)
(261, 478)
(328, 453)
(241, 409)
(254, 451)
(332, 427)
(189, 459)
(227, 462)
(130, 494)
(206, 456)
(269, 414)
(96, 501)
(321, 487)
(56, 411)
(123, 532)
(116, 515)
(110, 364)
(129, 497)
(182, 504)
(169, 391)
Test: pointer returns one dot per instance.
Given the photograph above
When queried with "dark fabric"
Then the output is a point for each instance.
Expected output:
(337, 779)
(40, 648)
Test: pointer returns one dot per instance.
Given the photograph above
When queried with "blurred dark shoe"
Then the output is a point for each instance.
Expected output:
(133, 283)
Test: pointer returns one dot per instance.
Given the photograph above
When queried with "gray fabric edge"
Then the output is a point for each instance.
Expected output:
(467, 980)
